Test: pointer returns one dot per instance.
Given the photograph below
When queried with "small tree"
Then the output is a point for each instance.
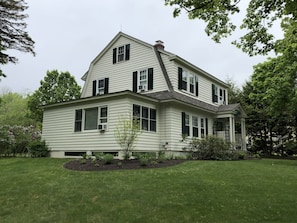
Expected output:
(126, 134)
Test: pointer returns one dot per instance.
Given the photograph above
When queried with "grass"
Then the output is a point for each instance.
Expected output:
(41, 190)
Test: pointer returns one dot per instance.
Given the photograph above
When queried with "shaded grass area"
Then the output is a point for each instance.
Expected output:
(41, 190)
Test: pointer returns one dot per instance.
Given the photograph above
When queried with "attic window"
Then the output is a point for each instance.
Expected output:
(121, 53)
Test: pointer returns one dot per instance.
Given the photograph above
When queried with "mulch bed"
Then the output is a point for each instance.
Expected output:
(116, 165)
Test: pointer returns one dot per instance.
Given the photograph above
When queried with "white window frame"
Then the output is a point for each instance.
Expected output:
(100, 90)
(142, 80)
(149, 119)
(121, 53)
(190, 79)
(200, 125)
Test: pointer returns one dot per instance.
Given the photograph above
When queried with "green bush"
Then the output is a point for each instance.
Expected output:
(107, 158)
(210, 148)
(38, 149)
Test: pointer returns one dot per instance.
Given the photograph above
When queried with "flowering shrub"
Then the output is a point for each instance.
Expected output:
(17, 139)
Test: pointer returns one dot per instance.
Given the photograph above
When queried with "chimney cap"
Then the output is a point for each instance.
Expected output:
(159, 44)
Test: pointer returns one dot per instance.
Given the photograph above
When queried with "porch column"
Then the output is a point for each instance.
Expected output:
(232, 129)
(243, 134)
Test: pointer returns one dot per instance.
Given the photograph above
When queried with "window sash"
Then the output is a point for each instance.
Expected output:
(78, 120)
(146, 117)
(103, 114)
(91, 118)
(121, 53)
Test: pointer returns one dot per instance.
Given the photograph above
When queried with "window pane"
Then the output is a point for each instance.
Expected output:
(136, 110)
(144, 112)
(153, 126)
(78, 115)
(77, 127)
(144, 124)
(91, 117)
(153, 114)
(103, 112)
(195, 121)
(101, 83)
(187, 120)
(195, 132)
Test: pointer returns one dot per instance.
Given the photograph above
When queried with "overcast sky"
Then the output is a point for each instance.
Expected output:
(69, 34)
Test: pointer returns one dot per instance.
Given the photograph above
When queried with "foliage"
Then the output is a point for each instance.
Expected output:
(18, 140)
(196, 191)
(107, 158)
(126, 134)
(13, 35)
(259, 19)
(55, 87)
(210, 148)
(14, 110)
(38, 149)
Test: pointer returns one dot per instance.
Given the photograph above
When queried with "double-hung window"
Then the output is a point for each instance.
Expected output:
(146, 118)
(143, 80)
(121, 53)
(100, 86)
(218, 95)
(194, 126)
(89, 118)
(188, 81)
(78, 120)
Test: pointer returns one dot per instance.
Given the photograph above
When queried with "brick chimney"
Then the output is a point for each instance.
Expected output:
(159, 45)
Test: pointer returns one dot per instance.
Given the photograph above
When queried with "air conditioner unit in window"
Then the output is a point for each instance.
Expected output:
(102, 127)
(142, 87)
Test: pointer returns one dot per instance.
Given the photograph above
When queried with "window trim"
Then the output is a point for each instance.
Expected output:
(188, 129)
(99, 118)
(121, 54)
(149, 120)
(188, 82)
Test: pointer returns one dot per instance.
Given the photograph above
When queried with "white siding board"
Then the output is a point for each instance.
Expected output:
(120, 74)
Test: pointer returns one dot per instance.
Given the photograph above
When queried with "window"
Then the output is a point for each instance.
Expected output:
(192, 125)
(121, 53)
(146, 117)
(103, 115)
(143, 80)
(78, 120)
(91, 118)
(188, 81)
(218, 95)
(195, 126)
(202, 127)
(100, 86)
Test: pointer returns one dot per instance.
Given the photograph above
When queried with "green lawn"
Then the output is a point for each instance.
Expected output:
(41, 190)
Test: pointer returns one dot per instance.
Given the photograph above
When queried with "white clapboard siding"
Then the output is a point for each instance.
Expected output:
(120, 74)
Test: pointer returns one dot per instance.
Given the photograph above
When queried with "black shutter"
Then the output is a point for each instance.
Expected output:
(127, 53)
(213, 92)
(197, 87)
(224, 96)
(135, 81)
(150, 78)
(184, 123)
(114, 56)
(106, 82)
(206, 126)
(180, 77)
(94, 87)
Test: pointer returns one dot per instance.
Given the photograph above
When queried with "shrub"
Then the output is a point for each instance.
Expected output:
(38, 149)
(210, 148)
(107, 158)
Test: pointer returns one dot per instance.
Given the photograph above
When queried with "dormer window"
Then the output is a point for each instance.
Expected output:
(100, 86)
(188, 81)
(218, 95)
(121, 53)
(143, 80)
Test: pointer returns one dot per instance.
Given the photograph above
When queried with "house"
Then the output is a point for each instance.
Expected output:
(171, 98)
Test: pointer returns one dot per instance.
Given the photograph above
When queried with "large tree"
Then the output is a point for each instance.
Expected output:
(56, 87)
(14, 110)
(12, 31)
(260, 17)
